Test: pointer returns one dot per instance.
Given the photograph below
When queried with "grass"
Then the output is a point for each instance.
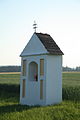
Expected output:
(64, 111)
(8, 78)
(71, 86)
(10, 109)
(71, 79)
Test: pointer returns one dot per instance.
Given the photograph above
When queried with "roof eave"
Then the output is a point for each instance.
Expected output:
(42, 54)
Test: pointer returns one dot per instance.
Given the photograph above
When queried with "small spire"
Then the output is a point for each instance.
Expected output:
(34, 26)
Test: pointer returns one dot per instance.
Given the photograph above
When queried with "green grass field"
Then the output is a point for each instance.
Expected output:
(10, 109)
(71, 79)
(9, 78)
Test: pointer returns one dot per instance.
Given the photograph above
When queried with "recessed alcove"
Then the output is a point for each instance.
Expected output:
(33, 71)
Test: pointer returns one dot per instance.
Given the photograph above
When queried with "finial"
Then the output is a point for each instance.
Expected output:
(34, 26)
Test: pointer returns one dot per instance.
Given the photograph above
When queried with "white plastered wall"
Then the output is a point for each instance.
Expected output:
(54, 79)
(34, 47)
(32, 87)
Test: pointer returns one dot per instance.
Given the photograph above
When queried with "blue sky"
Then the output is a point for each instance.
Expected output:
(59, 18)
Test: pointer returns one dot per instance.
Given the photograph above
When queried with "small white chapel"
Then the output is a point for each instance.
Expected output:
(41, 71)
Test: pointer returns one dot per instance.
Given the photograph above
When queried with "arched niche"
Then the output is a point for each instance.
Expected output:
(33, 71)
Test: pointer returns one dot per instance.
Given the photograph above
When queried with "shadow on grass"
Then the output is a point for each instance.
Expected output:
(15, 108)
(9, 88)
(9, 91)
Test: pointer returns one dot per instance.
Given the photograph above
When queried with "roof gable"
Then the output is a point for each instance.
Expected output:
(34, 47)
(41, 44)
(49, 44)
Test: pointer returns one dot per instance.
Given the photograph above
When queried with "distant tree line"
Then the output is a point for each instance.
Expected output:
(68, 69)
(18, 69)
(10, 68)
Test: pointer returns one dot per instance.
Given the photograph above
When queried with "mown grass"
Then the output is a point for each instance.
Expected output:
(64, 111)
(71, 79)
(10, 109)
(9, 78)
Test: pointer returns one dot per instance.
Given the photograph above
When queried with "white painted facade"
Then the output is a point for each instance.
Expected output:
(52, 78)
(34, 47)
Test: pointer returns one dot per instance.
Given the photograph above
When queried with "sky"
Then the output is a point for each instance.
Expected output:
(59, 18)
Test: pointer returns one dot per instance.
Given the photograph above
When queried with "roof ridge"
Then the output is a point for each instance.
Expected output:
(43, 33)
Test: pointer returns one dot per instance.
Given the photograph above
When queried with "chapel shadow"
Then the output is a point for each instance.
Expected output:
(15, 108)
